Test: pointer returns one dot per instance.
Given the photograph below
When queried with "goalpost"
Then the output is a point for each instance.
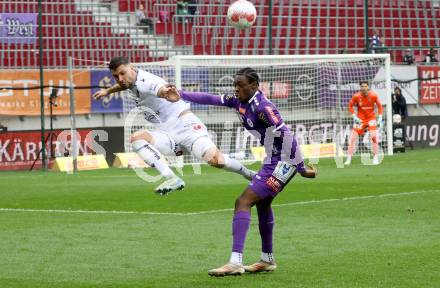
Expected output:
(311, 92)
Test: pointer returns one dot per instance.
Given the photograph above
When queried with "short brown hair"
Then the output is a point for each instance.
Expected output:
(118, 61)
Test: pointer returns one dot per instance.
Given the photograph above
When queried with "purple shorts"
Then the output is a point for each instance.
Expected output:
(272, 178)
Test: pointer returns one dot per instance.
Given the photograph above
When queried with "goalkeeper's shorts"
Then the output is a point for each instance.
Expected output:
(360, 129)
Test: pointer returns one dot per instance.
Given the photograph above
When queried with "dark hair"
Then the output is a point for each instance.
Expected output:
(118, 61)
(364, 82)
(250, 74)
(398, 88)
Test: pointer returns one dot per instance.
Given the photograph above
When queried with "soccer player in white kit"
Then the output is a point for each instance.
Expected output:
(180, 127)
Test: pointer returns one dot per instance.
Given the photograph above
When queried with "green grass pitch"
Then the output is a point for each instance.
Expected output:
(360, 226)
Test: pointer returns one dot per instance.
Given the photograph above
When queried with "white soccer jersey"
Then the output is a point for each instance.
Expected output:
(145, 92)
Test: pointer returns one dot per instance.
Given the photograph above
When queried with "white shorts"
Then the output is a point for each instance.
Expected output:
(189, 133)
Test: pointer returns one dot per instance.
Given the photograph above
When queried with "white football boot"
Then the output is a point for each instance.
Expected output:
(170, 185)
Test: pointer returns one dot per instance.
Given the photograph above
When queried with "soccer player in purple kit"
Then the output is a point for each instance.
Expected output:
(284, 159)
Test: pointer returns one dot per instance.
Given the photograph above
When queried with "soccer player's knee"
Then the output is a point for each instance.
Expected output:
(140, 136)
(242, 203)
(239, 203)
(216, 160)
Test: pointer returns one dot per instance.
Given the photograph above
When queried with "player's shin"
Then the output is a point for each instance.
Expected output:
(265, 224)
(152, 157)
(240, 227)
(374, 143)
(234, 165)
(352, 143)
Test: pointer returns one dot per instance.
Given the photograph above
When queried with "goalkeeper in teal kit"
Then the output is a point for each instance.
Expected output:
(284, 160)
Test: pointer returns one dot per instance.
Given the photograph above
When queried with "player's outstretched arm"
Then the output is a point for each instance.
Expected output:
(172, 94)
(310, 171)
(106, 91)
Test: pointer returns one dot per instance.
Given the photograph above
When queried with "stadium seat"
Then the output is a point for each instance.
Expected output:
(307, 26)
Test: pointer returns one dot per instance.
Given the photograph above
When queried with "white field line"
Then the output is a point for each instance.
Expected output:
(213, 211)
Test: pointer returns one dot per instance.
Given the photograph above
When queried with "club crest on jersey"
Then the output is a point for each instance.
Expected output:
(249, 122)
(242, 110)
(284, 171)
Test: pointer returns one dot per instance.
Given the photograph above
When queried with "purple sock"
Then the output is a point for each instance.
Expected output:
(240, 227)
(266, 223)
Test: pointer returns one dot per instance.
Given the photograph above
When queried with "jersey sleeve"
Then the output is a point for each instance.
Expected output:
(271, 115)
(229, 100)
(150, 84)
(208, 99)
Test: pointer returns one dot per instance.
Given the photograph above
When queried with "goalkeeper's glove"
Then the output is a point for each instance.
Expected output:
(356, 119)
(379, 121)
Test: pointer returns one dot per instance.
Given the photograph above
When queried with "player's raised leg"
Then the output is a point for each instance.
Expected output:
(193, 135)
(141, 142)
(266, 222)
(205, 149)
(240, 227)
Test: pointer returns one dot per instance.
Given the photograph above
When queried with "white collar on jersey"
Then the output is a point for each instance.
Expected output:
(253, 97)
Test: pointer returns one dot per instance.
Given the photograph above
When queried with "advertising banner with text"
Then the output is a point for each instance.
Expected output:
(18, 28)
(110, 104)
(19, 149)
(423, 131)
(27, 102)
(429, 89)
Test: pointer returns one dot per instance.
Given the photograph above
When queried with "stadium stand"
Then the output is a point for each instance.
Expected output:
(307, 27)
(100, 29)
(92, 30)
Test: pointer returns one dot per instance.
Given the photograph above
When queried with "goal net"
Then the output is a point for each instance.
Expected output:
(311, 92)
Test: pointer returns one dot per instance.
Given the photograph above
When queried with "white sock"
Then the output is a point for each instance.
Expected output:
(152, 157)
(236, 258)
(267, 257)
(234, 165)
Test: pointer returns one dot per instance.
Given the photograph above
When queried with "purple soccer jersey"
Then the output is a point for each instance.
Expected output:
(261, 118)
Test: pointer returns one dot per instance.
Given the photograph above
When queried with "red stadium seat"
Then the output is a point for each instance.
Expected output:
(298, 27)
